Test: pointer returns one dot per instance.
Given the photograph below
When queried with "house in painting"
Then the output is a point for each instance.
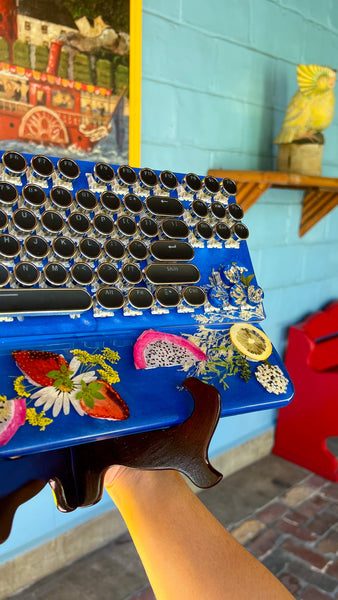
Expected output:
(50, 91)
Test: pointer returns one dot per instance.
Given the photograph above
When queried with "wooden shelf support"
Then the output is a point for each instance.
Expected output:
(321, 193)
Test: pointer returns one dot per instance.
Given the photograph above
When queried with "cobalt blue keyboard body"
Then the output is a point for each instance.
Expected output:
(115, 284)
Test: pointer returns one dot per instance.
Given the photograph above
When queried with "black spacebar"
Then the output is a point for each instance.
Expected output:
(43, 301)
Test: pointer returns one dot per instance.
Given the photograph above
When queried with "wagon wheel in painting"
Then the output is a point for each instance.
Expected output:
(42, 124)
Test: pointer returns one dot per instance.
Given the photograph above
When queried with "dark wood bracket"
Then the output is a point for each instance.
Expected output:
(76, 474)
(321, 193)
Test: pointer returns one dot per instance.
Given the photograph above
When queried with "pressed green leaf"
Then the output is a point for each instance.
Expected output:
(89, 402)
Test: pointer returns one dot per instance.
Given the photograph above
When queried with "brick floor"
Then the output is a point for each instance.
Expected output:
(284, 515)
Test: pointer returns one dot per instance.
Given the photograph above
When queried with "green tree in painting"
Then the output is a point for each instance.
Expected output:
(114, 12)
(82, 70)
(63, 65)
(4, 50)
(41, 58)
(104, 73)
(21, 54)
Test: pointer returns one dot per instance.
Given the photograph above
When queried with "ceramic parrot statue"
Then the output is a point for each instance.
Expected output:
(311, 109)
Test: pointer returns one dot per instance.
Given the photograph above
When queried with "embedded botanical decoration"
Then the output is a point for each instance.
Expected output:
(231, 289)
(157, 349)
(51, 382)
(12, 416)
(271, 378)
(311, 109)
(250, 341)
(223, 359)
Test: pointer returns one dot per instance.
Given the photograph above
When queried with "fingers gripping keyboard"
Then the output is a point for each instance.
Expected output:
(79, 238)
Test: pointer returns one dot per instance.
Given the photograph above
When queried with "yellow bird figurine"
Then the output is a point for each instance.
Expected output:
(311, 109)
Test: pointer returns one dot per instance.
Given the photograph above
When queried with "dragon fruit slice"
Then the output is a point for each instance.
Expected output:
(12, 416)
(157, 349)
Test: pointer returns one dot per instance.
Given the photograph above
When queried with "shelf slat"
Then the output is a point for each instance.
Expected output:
(321, 193)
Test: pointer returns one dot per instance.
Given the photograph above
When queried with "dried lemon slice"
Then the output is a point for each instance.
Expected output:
(251, 341)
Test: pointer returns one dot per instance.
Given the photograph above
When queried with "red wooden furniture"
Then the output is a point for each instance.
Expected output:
(312, 362)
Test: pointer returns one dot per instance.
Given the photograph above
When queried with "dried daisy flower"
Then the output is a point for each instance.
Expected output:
(271, 378)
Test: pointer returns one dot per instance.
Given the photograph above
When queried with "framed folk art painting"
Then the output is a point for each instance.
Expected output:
(70, 78)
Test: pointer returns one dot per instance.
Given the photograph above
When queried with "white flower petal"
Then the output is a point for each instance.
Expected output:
(48, 402)
(66, 405)
(58, 405)
(76, 405)
(74, 365)
(86, 377)
(46, 391)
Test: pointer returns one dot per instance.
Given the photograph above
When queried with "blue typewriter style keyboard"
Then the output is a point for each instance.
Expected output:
(98, 240)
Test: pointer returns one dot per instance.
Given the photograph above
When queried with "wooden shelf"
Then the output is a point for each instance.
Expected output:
(321, 193)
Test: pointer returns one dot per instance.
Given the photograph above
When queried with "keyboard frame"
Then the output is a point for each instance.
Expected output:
(154, 396)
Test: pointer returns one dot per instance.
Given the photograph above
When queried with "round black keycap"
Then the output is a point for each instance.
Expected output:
(24, 220)
(126, 175)
(61, 197)
(229, 188)
(26, 273)
(36, 247)
(90, 248)
(192, 183)
(131, 273)
(86, 199)
(34, 195)
(204, 230)
(103, 224)
(9, 246)
(211, 185)
(42, 166)
(241, 231)
(223, 231)
(126, 226)
(107, 273)
(168, 180)
(175, 229)
(68, 169)
(133, 203)
(4, 275)
(114, 249)
(140, 298)
(3, 220)
(82, 273)
(148, 227)
(52, 222)
(15, 163)
(194, 296)
(55, 273)
(103, 173)
(235, 211)
(78, 223)
(8, 194)
(218, 210)
(64, 248)
(138, 250)
(110, 201)
(167, 297)
(110, 298)
(148, 178)
(199, 209)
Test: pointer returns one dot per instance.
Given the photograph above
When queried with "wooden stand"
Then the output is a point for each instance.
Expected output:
(76, 474)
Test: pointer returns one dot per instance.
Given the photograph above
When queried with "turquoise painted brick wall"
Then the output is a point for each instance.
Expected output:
(216, 78)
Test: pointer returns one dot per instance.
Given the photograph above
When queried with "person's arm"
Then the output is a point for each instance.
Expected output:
(186, 552)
